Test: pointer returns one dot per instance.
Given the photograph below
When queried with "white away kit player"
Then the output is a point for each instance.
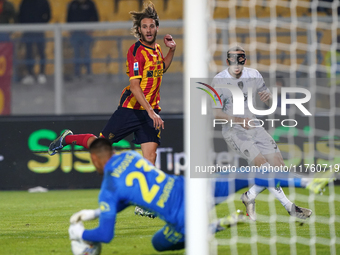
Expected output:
(252, 143)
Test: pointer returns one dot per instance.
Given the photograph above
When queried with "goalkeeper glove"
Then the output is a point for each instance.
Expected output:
(76, 231)
(84, 215)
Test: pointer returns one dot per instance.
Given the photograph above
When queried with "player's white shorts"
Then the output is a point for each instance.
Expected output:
(249, 143)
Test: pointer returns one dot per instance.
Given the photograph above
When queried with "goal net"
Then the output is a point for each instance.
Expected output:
(294, 44)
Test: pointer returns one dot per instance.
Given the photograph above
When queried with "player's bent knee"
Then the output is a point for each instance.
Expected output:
(259, 160)
(278, 161)
(151, 157)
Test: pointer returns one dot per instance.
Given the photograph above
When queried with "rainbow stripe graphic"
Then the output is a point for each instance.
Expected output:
(209, 93)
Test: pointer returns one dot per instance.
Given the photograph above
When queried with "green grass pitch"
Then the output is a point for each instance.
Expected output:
(37, 224)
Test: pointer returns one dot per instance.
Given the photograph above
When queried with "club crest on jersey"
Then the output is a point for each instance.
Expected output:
(246, 153)
(135, 66)
(104, 207)
(240, 84)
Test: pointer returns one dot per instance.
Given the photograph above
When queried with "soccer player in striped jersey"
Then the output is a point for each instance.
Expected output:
(128, 179)
(138, 110)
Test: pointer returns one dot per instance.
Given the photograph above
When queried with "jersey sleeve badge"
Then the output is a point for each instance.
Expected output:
(104, 207)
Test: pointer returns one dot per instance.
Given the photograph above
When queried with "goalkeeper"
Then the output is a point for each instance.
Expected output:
(129, 179)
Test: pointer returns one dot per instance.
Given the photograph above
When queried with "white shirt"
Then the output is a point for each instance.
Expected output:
(250, 78)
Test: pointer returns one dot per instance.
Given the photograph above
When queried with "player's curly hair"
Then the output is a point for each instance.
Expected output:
(148, 12)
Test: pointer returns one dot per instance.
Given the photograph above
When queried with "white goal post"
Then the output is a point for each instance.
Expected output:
(195, 66)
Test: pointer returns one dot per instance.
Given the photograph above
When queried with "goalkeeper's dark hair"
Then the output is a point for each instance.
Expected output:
(148, 12)
(236, 48)
(100, 145)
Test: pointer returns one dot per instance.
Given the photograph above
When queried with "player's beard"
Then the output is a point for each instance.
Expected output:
(152, 40)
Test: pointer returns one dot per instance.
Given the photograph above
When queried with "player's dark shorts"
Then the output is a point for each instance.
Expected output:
(125, 121)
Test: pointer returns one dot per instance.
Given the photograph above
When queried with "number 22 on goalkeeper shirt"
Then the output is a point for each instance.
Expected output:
(126, 182)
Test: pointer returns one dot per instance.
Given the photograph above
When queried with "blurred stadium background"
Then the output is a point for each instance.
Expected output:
(109, 49)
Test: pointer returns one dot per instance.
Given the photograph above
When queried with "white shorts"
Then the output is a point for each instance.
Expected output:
(250, 143)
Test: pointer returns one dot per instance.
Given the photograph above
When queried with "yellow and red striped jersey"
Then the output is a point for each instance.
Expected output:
(147, 64)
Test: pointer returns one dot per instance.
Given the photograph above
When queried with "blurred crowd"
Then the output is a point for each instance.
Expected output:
(39, 11)
(32, 59)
